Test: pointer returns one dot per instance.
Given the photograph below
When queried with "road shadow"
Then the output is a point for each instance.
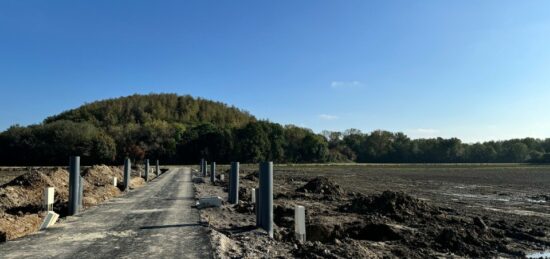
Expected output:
(170, 226)
(180, 199)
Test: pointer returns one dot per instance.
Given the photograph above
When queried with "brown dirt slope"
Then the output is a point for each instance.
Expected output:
(21, 209)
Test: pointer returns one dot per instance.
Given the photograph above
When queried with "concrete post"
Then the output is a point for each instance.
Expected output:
(146, 170)
(205, 172)
(74, 180)
(266, 197)
(213, 172)
(127, 171)
(234, 183)
(158, 168)
(115, 181)
(49, 199)
(300, 223)
(253, 195)
(222, 177)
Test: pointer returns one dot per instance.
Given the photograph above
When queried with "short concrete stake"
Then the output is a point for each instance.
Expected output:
(234, 183)
(49, 198)
(205, 172)
(213, 172)
(300, 223)
(49, 220)
(127, 171)
(222, 177)
(253, 195)
(115, 181)
(266, 197)
(74, 180)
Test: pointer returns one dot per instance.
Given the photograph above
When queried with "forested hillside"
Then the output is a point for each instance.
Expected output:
(182, 129)
(144, 109)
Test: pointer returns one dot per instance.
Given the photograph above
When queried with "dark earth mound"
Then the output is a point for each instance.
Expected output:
(321, 185)
(387, 203)
(254, 176)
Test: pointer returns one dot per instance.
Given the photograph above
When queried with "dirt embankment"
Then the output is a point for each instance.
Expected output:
(344, 224)
(21, 208)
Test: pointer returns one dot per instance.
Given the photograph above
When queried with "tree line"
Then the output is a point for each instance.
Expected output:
(386, 147)
(182, 129)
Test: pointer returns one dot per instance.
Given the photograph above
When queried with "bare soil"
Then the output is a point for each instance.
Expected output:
(414, 211)
(21, 208)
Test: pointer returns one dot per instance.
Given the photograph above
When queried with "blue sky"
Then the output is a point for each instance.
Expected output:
(477, 70)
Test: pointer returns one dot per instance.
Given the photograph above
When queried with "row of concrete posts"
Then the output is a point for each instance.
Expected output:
(76, 186)
(262, 196)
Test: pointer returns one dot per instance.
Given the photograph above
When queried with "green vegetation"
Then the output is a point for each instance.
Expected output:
(387, 147)
(182, 129)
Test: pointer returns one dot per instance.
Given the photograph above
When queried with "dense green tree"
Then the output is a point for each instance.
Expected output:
(514, 152)
(253, 143)
(206, 141)
(314, 149)
(480, 153)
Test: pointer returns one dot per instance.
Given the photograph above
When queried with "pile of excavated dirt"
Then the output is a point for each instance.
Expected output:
(21, 208)
(25, 192)
(388, 203)
(14, 226)
(98, 184)
(254, 176)
(100, 175)
(321, 185)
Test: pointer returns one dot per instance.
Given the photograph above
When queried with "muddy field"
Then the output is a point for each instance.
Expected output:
(414, 211)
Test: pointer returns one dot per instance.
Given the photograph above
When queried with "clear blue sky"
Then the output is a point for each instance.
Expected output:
(476, 70)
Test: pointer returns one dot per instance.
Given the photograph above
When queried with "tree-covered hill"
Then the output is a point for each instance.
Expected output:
(183, 129)
(174, 129)
(142, 109)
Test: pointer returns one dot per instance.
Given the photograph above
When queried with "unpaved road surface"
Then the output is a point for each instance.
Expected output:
(156, 221)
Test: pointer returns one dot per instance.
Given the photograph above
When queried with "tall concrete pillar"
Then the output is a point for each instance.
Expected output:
(234, 183)
(146, 170)
(74, 180)
(213, 172)
(265, 208)
(127, 172)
